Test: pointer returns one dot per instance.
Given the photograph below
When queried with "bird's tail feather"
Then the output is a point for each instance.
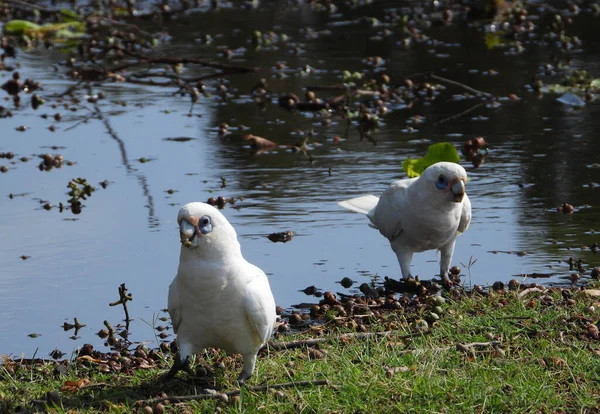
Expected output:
(362, 204)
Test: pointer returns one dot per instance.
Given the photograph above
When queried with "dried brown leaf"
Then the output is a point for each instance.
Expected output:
(74, 386)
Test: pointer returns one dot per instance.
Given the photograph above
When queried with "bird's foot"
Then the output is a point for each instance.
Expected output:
(407, 278)
(178, 365)
(243, 377)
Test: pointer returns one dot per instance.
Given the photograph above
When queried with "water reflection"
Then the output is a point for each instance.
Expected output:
(539, 157)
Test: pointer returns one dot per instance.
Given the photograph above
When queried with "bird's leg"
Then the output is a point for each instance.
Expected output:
(404, 258)
(182, 362)
(178, 365)
(446, 253)
(248, 370)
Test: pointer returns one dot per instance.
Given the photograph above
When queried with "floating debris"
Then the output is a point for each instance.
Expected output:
(259, 143)
(310, 290)
(79, 190)
(570, 99)
(346, 282)
(534, 275)
(56, 354)
(566, 208)
(50, 161)
(283, 237)
(179, 139)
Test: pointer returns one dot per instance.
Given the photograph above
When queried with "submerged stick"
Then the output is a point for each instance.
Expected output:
(460, 85)
(124, 297)
(458, 115)
(183, 61)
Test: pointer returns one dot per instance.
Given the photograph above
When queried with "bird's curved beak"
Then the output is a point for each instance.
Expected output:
(187, 233)
(458, 189)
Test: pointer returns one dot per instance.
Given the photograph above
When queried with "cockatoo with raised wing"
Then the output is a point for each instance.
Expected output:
(217, 299)
(422, 213)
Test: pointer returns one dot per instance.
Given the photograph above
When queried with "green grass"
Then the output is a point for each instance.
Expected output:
(546, 361)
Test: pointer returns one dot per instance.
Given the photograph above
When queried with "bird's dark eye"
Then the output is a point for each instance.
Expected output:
(205, 221)
(441, 183)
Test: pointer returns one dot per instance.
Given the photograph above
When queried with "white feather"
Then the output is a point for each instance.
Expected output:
(362, 204)
(218, 299)
(415, 215)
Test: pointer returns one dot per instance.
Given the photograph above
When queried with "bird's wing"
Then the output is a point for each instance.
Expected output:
(362, 204)
(174, 305)
(260, 305)
(392, 205)
(465, 217)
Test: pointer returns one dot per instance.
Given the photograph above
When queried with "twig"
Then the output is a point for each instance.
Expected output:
(82, 121)
(208, 395)
(30, 6)
(148, 82)
(225, 396)
(174, 79)
(530, 290)
(462, 347)
(70, 89)
(114, 24)
(279, 346)
(468, 348)
(124, 297)
(260, 388)
(520, 318)
(183, 61)
(489, 97)
(461, 85)
(111, 330)
(463, 113)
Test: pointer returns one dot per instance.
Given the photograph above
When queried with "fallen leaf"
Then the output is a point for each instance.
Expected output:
(559, 362)
(442, 151)
(315, 354)
(144, 364)
(87, 358)
(74, 386)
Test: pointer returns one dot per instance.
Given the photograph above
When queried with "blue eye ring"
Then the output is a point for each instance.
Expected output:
(441, 183)
(204, 225)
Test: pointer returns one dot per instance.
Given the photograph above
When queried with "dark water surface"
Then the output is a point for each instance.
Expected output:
(541, 155)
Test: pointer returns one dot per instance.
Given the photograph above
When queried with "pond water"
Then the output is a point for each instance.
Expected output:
(541, 154)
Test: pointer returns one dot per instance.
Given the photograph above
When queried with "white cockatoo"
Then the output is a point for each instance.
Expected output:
(418, 214)
(217, 299)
